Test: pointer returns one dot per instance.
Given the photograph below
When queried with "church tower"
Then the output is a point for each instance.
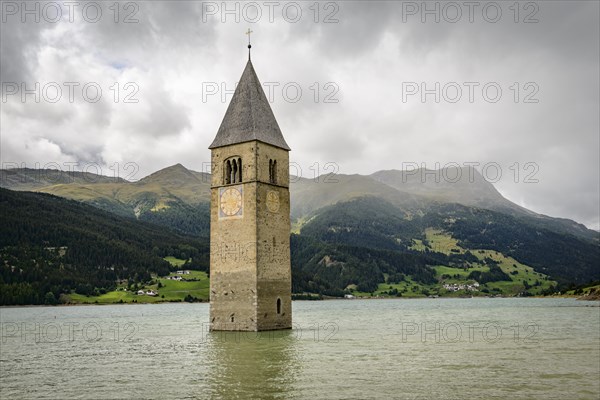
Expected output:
(250, 270)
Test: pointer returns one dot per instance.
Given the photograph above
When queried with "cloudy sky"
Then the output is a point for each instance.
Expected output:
(356, 87)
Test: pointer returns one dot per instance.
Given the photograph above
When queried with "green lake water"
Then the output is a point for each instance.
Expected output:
(338, 349)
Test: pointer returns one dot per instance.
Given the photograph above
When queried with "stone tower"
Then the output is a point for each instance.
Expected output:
(250, 272)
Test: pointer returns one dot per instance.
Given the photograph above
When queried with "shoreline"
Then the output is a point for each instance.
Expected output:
(580, 298)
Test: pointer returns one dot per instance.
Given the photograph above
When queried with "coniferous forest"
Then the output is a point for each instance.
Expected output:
(50, 245)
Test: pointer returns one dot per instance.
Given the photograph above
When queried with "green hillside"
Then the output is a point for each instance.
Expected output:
(390, 233)
(365, 245)
(174, 197)
(51, 246)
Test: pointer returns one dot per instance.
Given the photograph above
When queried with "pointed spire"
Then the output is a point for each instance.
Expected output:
(249, 116)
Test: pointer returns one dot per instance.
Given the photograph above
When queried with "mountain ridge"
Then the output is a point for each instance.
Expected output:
(412, 192)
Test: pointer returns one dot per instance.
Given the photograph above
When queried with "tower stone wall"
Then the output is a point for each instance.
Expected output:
(250, 270)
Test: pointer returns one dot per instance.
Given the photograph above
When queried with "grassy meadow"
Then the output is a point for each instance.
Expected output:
(523, 278)
(196, 287)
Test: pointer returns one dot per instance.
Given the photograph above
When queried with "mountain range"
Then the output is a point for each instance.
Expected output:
(353, 231)
(177, 186)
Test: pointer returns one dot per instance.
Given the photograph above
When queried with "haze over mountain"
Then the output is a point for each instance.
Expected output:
(468, 187)
(449, 185)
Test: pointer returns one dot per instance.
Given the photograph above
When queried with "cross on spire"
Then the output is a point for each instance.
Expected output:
(249, 32)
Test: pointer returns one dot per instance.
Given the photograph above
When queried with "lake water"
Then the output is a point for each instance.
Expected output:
(339, 349)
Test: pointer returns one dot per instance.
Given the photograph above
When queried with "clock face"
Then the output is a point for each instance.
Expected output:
(230, 202)
(273, 201)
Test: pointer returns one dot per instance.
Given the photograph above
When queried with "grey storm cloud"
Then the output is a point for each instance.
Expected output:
(351, 67)
(18, 41)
